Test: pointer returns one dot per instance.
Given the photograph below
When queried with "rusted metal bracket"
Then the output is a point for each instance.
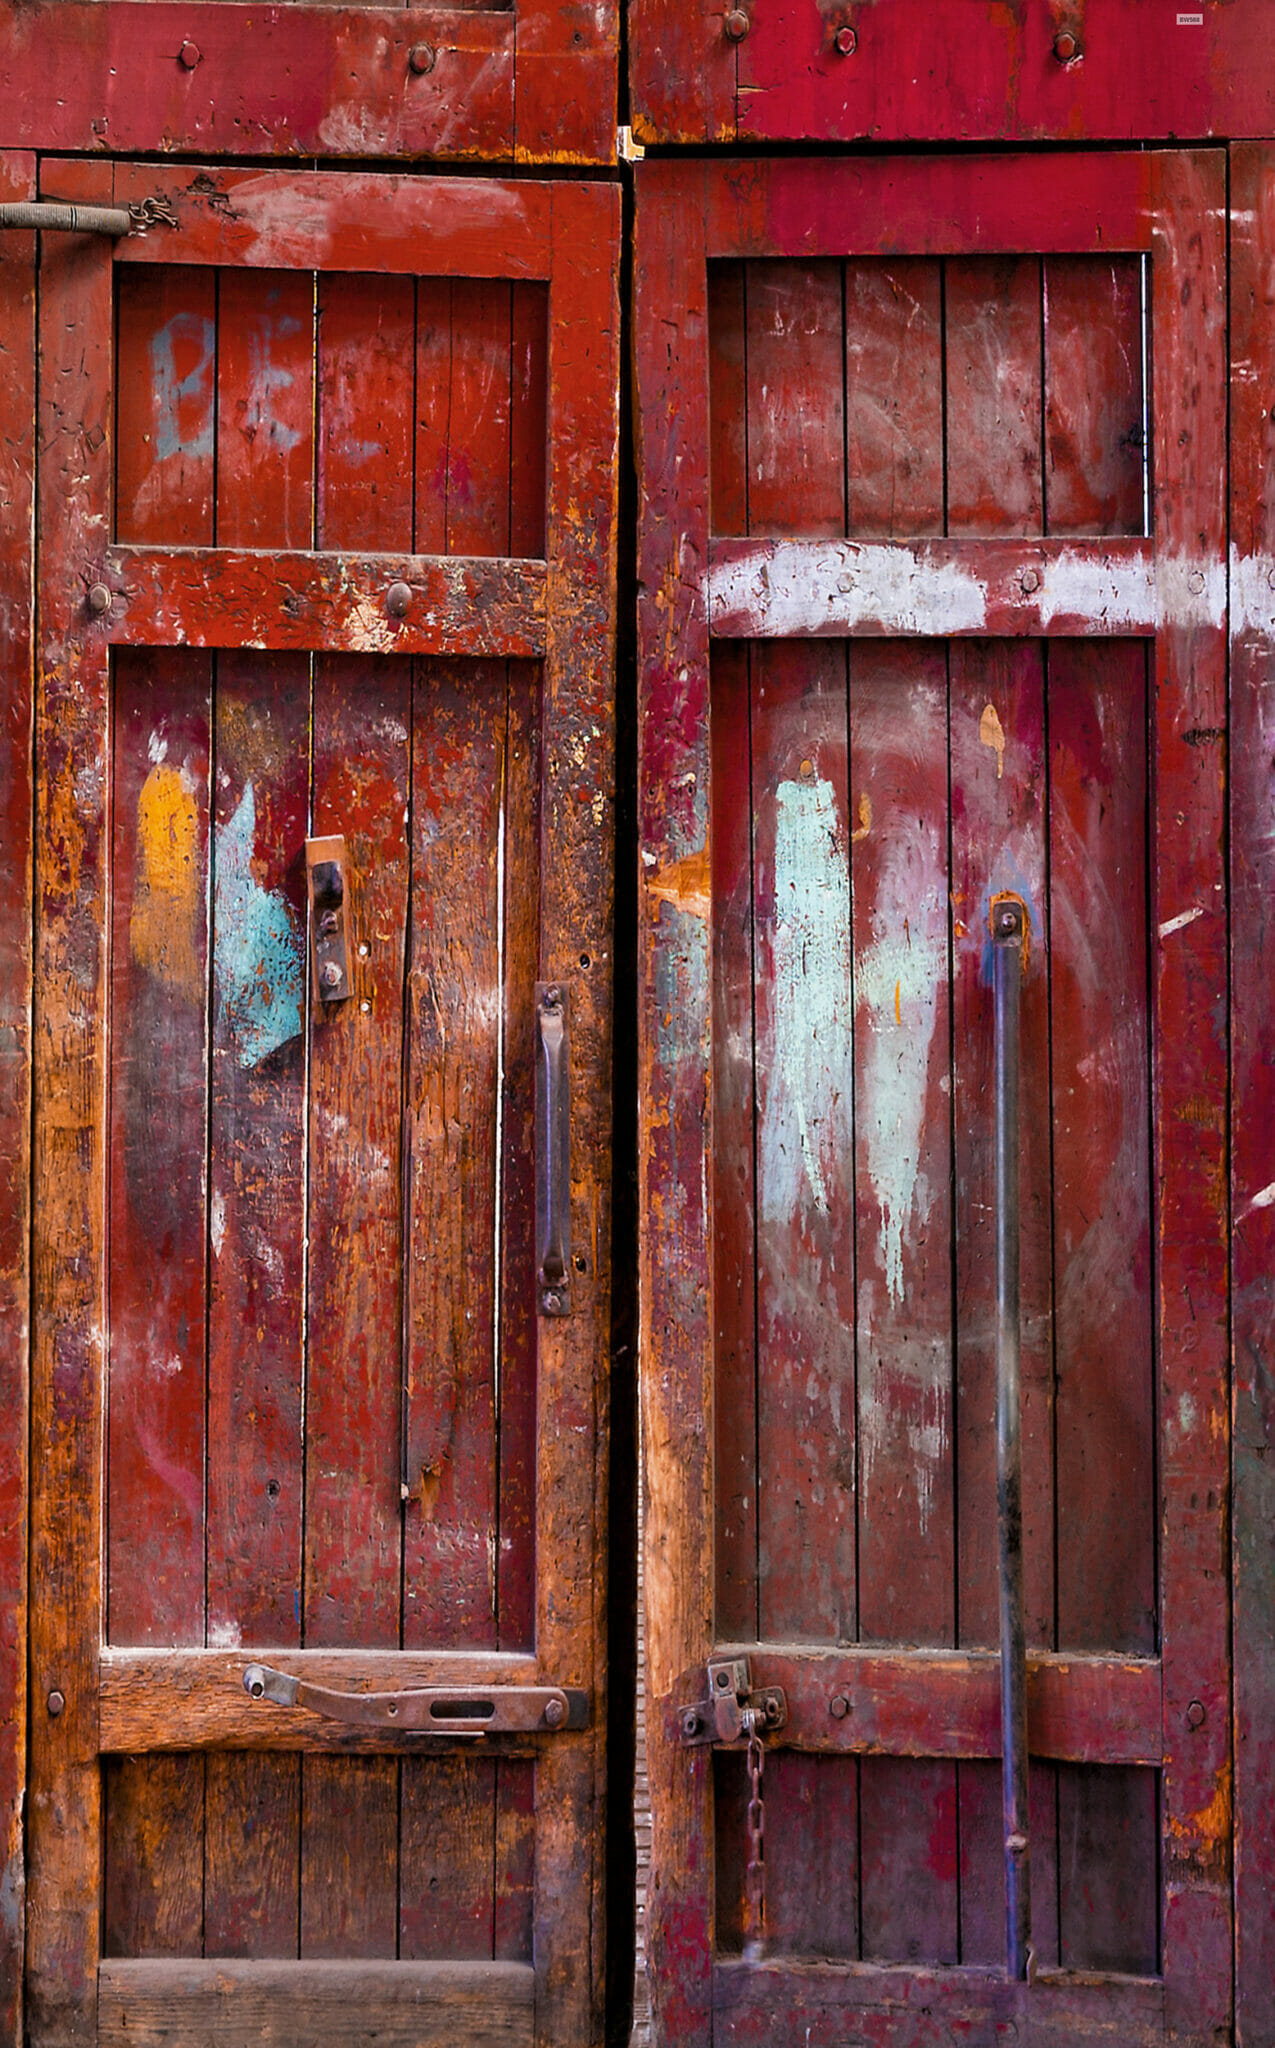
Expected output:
(326, 867)
(444, 1711)
(732, 1711)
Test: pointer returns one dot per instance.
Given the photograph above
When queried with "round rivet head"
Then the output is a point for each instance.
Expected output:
(1066, 46)
(555, 1714)
(99, 599)
(690, 1723)
(189, 55)
(737, 24)
(838, 1706)
(331, 976)
(421, 58)
(56, 1702)
(1195, 1716)
(397, 599)
(846, 41)
(1030, 581)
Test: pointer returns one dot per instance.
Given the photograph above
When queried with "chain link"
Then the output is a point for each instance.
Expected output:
(755, 1878)
(151, 213)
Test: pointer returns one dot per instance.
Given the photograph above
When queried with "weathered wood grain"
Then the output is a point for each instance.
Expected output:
(1093, 373)
(795, 398)
(288, 2004)
(992, 369)
(153, 1874)
(894, 397)
(17, 495)
(265, 409)
(228, 597)
(165, 380)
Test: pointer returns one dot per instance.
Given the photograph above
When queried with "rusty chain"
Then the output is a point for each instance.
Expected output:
(755, 1878)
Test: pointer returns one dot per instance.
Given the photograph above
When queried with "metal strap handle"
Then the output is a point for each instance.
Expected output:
(445, 1711)
(553, 1151)
(1009, 936)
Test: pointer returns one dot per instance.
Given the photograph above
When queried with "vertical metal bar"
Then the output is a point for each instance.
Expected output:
(553, 1152)
(1009, 931)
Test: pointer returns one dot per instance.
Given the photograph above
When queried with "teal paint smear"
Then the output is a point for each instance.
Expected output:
(257, 949)
(172, 391)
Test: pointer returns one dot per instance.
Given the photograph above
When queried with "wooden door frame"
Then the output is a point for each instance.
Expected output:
(561, 609)
(532, 82)
(689, 212)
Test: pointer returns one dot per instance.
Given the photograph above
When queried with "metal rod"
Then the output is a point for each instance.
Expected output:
(553, 1152)
(74, 220)
(1009, 932)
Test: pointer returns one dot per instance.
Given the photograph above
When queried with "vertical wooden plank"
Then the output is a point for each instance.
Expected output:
(909, 1855)
(364, 368)
(166, 376)
(577, 903)
(514, 1916)
(349, 1856)
(17, 495)
(728, 398)
(1107, 1878)
(447, 1850)
(804, 1144)
(894, 396)
(432, 411)
(993, 408)
(734, 1233)
(796, 412)
(153, 1868)
(1189, 982)
(675, 1067)
(1252, 756)
(980, 1818)
(528, 418)
(68, 1165)
(478, 468)
(1093, 394)
(1102, 1194)
(265, 408)
(251, 1907)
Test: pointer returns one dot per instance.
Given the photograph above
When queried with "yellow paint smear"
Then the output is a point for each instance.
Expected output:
(167, 911)
(992, 734)
(864, 825)
(688, 884)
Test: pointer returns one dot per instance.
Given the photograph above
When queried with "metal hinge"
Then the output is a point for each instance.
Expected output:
(446, 1711)
(733, 1711)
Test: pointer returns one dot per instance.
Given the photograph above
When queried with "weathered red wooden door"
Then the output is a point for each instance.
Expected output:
(934, 588)
(326, 505)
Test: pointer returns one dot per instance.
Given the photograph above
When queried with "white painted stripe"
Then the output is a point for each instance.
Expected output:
(1184, 917)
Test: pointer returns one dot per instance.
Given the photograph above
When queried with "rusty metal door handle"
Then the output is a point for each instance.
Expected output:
(1009, 937)
(553, 1151)
(441, 1710)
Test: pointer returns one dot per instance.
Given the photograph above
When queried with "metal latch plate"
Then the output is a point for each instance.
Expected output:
(444, 1711)
(732, 1707)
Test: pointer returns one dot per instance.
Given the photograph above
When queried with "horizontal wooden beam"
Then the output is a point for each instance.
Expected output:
(166, 2003)
(796, 589)
(1086, 1709)
(929, 2008)
(335, 603)
(195, 1699)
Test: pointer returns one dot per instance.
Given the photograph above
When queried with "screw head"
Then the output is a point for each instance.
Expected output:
(189, 55)
(690, 1723)
(555, 1714)
(330, 975)
(421, 58)
(56, 1702)
(1195, 1715)
(553, 997)
(846, 41)
(552, 1301)
(1030, 581)
(737, 25)
(99, 599)
(397, 599)
(838, 1706)
(1066, 46)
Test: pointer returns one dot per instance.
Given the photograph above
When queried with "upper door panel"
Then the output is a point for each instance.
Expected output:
(531, 80)
(947, 70)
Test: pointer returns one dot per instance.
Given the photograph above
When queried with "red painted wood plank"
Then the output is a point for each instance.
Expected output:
(1108, 1890)
(513, 1933)
(363, 374)
(727, 398)
(670, 43)
(812, 1897)
(1094, 419)
(529, 418)
(894, 397)
(981, 1825)
(1251, 753)
(778, 589)
(165, 371)
(908, 1860)
(17, 492)
(954, 205)
(373, 221)
(796, 427)
(265, 410)
(992, 331)
(251, 1904)
(447, 1848)
(199, 597)
(478, 464)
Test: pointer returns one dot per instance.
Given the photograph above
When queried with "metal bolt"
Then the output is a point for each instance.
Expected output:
(690, 1723)
(846, 41)
(555, 1713)
(421, 58)
(737, 24)
(838, 1706)
(57, 1702)
(99, 599)
(189, 55)
(331, 974)
(1195, 581)
(1030, 581)
(553, 997)
(397, 599)
(1195, 1714)
(1066, 46)
(552, 1301)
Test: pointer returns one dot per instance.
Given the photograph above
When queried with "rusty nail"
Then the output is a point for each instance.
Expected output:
(838, 1706)
(846, 41)
(1030, 581)
(188, 55)
(1195, 1714)
(331, 974)
(397, 599)
(737, 24)
(690, 1723)
(99, 599)
(1066, 46)
(421, 58)
(555, 1714)
(57, 1701)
